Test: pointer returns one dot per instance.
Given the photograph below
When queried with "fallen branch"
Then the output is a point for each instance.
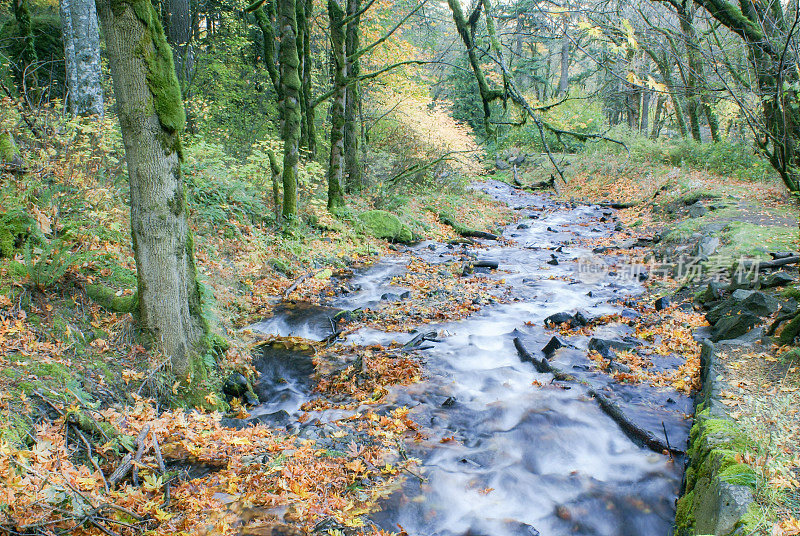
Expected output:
(634, 432)
(767, 265)
(128, 461)
(464, 231)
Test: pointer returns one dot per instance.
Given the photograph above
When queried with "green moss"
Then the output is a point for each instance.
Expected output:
(8, 148)
(383, 224)
(107, 297)
(714, 445)
(15, 228)
(161, 78)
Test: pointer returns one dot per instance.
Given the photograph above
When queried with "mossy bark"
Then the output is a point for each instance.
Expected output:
(151, 118)
(290, 106)
(265, 15)
(352, 163)
(308, 107)
(338, 55)
(26, 73)
(8, 148)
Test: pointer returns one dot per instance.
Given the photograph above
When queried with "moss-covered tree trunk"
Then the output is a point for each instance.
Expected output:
(151, 116)
(308, 108)
(26, 73)
(338, 56)
(352, 163)
(265, 17)
(289, 105)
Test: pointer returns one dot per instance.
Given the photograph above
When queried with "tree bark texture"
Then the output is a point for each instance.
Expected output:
(339, 60)
(151, 117)
(352, 163)
(81, 36)
(289, 105)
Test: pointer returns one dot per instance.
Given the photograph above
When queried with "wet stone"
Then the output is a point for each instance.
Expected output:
(550, 348)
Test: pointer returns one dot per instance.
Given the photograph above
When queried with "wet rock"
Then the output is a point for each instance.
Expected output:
(523, 226)
(236, 424)
(251, 399)
(581, 318)
(551, 230)
(389, 296)
(708, 246)
(661, 303)
(557, 319)
(697, 210)
(275, 418)
(550, 348)
(553, 262)
(712, 293)
(776, 279)
(449, 402)
(733, 326)
(235, 386)
(517, 160)
(741, 302)
(602, 347)
(721, 506)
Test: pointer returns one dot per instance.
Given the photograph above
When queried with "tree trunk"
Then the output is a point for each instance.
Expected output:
(339, 61)
(290, 107)
(151, 117)
(308, 109)
(179, 36)
(81, 37)
(27, 78)
(352, 164)
(563, 82)
(694, 73)
(300, 14)
(664, 66)
(265, 16)
(658, 117)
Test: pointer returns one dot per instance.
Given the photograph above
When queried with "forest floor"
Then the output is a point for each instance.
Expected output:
(80, 399)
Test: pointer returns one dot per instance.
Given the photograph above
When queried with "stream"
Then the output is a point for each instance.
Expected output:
(509, 451)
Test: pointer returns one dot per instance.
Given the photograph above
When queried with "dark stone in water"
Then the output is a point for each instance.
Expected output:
(523, 226)
(449, 402)
(276, 417)
(661, 303)
(551, 347)
(235, 386)
(550, 229)
(602, 347)
(553, 262)
(558, 319)
(581, 319)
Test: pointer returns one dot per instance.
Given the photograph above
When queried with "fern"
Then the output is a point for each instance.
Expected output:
(49, 267)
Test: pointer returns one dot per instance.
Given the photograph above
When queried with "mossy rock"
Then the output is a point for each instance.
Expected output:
(383, 224)
(15, 228)
(719, 489)
(8, 148)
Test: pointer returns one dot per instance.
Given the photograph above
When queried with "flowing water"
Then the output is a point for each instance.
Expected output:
(509, 452)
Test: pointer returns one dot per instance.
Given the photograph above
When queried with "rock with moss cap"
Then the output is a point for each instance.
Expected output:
(383, 224)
